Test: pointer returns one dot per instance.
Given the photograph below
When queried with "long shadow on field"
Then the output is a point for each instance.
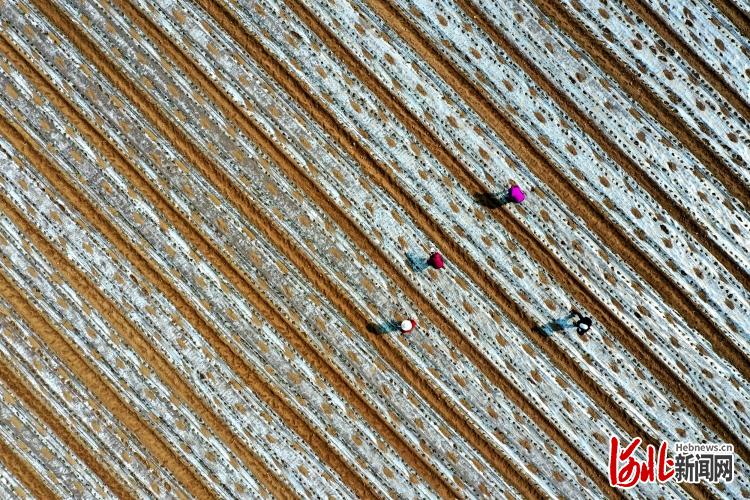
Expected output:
(557, 325)
(389, 326)
(491, 200)
(418, 263)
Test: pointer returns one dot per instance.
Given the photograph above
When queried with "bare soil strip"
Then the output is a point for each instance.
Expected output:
(91, 293)
(640, 93)
(735, 15)
(20, 388)
(612, 233)
(286, 244)
(281, 241)
(673, 39)
(144, 264)
(21, 469)
(596, 221)
(159, 449)
(466, 178)
(240, 281)
(322, 116)
(661, 282)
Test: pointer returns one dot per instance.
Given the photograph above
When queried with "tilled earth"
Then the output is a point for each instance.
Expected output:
(212, 212)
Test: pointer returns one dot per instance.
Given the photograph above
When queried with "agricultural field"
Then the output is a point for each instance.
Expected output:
(214, 214)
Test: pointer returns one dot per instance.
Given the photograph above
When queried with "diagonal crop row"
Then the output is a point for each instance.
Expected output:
(266, 223)
(605, 79)
(292, 59)
(79, 408)
(11, 486)
(553, 181)
(22, 470)
(234, 316)
(169, 331)
(736, 10)
(277, 313)
(707, 40)
(631, 127)
(671, 261)
(164, 344)
(659, 272)
(182, 21)
(70, 355)
(327, 68)
(66, 474)
(289, 134)
(434, 115)
(682, 91)
(135, 381)
(70, 441)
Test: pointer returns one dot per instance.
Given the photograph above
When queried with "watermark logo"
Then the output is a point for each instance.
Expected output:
(691, 463)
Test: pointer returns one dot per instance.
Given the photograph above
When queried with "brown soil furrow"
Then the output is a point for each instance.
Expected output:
(473, 184)
(613, 234)
(82, 451)
(735, 15)
(293, 87)
(88, 290)
(142, 262)
(244, 284)
(616, 237)
(533, 158)
(687, 53)
(21, 468)
(289, 248)
(69, 355)
(640, 93)
(286, 244)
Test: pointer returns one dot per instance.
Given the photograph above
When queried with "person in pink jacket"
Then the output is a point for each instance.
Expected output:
(436, 260)
(408, 325)
(515, 194)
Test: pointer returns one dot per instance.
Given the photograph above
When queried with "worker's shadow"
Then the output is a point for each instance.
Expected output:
(557, 325)
(417, 262)
(389, 326)
(491, 200)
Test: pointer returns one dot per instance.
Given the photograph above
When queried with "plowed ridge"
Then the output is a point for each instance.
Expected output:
(213, 215)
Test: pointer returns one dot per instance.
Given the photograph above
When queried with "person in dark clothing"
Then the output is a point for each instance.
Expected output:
(574, 319)
(583, 324)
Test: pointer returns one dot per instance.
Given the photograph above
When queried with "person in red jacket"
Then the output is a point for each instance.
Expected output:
(436, 260)
(408, 325)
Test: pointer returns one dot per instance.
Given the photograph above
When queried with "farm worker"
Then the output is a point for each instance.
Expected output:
(408, 325)
(436, 260)
(583, 324)
(515, 194)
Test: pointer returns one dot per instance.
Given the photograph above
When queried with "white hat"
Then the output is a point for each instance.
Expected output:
(407, 325)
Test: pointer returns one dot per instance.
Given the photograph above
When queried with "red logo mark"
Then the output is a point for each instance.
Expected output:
(656, 467)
